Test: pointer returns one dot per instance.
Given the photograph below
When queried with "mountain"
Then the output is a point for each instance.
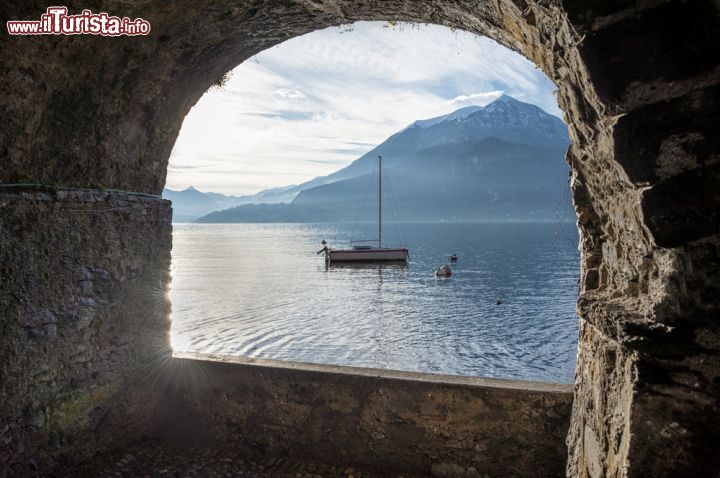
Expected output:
(504, 161)
(190, 204)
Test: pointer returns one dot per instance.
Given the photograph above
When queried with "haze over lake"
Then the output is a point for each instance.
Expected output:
(260, 290)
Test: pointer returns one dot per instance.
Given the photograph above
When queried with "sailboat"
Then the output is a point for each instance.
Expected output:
(363, 253)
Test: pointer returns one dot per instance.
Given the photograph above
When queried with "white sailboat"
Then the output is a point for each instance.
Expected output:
(367, 253)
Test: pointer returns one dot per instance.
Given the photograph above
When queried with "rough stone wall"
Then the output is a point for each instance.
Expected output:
(638, 82)
(84, 309)
(647, 388)
(396, 423)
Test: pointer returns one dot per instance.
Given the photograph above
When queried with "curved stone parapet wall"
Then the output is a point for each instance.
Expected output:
(396, 423)
(83, 321)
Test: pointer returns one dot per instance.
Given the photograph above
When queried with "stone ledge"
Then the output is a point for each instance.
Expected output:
(430, 378)
(42, 193)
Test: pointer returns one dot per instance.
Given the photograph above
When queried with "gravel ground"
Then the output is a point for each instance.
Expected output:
(151, 459)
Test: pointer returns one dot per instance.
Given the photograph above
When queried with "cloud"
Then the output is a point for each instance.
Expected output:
(289, 93)
(316, 102)
(288, 115)
(484, 96)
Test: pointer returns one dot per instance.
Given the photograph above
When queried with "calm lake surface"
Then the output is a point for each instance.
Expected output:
(260, 290)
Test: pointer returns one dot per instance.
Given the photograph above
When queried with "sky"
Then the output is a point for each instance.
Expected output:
(313, 104)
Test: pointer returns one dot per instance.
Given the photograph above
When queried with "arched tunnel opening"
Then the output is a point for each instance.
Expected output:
(284, 155)
(88, 126)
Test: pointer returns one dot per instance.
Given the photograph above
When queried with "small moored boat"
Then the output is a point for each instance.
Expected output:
(368, 254)
(365, 253)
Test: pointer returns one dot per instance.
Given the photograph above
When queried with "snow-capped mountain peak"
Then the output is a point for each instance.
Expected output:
(454, 116)
(505, 109)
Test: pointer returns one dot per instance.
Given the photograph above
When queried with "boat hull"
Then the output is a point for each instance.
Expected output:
(368, 255)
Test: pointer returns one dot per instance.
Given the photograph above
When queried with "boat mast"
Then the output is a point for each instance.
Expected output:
(379, 201)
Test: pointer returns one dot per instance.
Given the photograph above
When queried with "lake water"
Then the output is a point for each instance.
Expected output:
(260, 290)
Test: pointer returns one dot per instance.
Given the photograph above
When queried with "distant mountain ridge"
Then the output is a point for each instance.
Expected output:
(504, 161)
(190, 204)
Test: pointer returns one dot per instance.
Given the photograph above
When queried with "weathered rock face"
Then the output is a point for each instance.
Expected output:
(639, 86)
(84, 319)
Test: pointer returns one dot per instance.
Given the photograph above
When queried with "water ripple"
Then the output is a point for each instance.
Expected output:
(260, 290)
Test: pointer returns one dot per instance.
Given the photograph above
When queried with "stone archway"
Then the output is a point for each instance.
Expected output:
(639, 87)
